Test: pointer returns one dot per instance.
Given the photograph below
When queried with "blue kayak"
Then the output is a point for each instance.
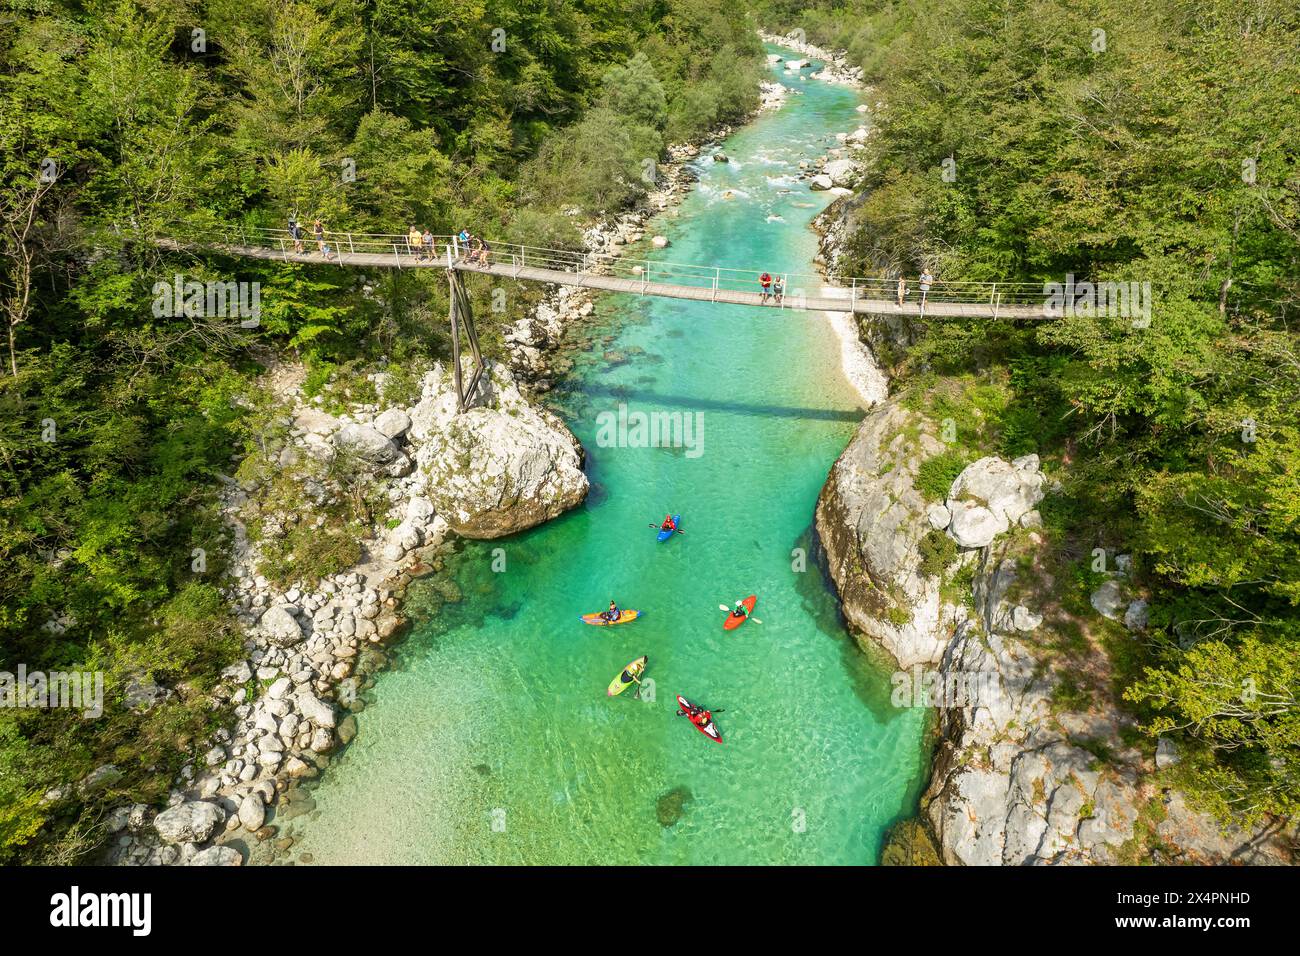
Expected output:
(664, 535)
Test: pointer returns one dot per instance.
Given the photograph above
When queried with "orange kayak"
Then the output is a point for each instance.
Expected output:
(732, 622)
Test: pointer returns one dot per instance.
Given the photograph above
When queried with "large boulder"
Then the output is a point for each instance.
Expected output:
(973, 525)
(393, 424)
(280, 626)
(842, 172)
(501, 466)
(993, 494)
(191, 822)
(367, 443)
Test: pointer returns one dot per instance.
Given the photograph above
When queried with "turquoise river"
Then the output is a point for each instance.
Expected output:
(490, 738)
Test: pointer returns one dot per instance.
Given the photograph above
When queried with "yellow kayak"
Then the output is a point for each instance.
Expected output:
(634, 669)
(599, 620)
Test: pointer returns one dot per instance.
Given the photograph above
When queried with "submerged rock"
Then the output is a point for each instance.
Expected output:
(671, 806)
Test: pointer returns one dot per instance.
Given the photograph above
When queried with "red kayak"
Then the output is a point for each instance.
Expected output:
(709, 730)
(732, 622)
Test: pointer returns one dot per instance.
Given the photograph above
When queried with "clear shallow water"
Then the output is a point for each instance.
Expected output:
(491, 739)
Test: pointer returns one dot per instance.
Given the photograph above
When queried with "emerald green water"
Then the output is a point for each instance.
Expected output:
(491, 739)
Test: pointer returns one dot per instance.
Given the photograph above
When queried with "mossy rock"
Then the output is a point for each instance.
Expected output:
(908, 843)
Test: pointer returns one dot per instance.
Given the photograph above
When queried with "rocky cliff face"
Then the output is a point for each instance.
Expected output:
(1022, 773)
(871, 519)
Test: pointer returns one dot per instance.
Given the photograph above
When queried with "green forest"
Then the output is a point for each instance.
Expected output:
(119, 120)
(1150, 142)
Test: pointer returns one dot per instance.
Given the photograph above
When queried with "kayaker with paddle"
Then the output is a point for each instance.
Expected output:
(612, 613)
(668, 524)
(741, 610)
(628, 676)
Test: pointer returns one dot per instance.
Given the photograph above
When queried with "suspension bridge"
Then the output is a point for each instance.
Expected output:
(802, 292)
(627, 274)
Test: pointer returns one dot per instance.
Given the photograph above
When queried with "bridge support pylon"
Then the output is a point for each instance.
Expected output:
(462, 317)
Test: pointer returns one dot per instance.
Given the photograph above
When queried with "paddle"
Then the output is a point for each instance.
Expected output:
(658, 527)
(723, 607)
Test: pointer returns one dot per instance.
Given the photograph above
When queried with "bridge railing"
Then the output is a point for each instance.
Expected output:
(516, 257)
(512, 258)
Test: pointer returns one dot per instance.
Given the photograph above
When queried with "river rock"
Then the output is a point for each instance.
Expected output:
(280, 627)
(191, 822)
(501, 466)
(314, 709)
(252, 814)
(348, 729)
(821, 182)
(841, 172)
(217, 856)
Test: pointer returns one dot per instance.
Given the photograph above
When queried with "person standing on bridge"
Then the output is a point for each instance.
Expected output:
(765, 281)
(428, 244)
(318, 232)
(295, 233)
(926, 280)
(480, 250)
(414, 243)
(902, 290)
(778, 289)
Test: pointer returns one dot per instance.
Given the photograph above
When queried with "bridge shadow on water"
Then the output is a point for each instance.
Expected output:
(629, 394)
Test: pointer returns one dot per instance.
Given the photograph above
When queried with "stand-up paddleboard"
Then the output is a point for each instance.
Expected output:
(634, 669)
(664, 535)
(623, 617)
(709, 730)
(732, 622)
